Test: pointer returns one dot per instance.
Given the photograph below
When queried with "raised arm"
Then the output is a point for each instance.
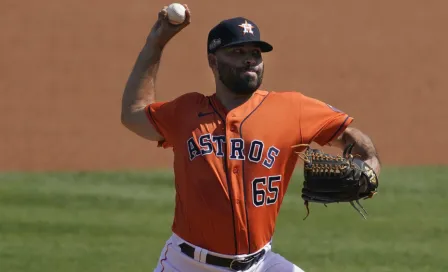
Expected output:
(140, 87)
(363, 146)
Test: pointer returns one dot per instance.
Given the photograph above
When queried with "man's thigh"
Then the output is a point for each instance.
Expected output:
(274, 262)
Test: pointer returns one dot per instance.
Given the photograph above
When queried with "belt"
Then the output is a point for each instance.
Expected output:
(234, 264)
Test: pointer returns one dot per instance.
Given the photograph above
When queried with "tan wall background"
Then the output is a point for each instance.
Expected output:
(64, 65)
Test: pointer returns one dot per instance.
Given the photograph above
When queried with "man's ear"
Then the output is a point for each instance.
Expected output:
(212, 61)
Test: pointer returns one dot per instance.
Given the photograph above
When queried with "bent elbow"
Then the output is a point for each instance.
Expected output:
(126, 119)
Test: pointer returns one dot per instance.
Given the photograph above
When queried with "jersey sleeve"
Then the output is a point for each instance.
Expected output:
(321, 122)
(168, 117)
(161, 116)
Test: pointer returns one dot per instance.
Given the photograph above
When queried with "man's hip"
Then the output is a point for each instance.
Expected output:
(179, 255)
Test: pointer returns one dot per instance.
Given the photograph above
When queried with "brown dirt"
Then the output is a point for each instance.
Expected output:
(64, 65)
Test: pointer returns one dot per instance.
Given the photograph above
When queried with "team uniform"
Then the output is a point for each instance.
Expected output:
(232, 170)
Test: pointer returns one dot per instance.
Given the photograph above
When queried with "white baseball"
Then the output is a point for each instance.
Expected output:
(176, 13)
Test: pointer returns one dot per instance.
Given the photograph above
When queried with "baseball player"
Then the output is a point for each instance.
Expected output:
(232, 150)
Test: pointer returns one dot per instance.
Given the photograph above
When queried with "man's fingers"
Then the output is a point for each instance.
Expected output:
(163, 13)
(187, 14)
(166, 28)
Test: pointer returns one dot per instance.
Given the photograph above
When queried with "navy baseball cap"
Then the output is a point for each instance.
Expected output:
(235, 31)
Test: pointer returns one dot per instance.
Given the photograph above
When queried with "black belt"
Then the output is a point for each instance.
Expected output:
(237, 265)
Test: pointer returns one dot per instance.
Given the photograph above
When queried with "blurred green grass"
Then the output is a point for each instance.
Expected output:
(120, 221)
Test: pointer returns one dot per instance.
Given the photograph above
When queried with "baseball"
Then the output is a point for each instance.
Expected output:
(176, 13)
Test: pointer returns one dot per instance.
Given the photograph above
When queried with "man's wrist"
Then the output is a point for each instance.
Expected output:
(374, 162)
(154, 45)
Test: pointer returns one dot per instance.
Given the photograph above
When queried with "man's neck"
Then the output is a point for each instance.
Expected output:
(229, 99)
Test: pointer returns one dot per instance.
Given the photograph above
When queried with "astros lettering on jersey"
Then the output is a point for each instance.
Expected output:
(232, 169)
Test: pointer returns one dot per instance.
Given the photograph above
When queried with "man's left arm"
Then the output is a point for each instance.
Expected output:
(363, 146)
(326, 125)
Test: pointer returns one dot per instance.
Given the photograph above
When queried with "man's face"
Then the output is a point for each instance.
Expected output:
(240, 68)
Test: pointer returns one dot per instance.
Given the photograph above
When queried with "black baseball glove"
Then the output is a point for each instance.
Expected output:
(334, 179)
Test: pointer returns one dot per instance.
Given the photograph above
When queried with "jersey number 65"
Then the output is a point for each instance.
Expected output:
(265, 190)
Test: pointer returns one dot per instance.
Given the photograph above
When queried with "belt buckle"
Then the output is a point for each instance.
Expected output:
(239, 263)
(246, 262)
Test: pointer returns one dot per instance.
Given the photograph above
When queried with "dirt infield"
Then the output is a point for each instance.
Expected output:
(64, 65)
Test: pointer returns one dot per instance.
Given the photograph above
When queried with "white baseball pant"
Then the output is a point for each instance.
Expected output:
(173, 260)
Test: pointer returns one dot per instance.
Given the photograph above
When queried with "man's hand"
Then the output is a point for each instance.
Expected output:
(363, 147)
(163, 31)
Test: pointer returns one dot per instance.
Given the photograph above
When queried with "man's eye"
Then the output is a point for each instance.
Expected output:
(256, 53)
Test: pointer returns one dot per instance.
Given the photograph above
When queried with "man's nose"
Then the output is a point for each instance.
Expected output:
(250, 61)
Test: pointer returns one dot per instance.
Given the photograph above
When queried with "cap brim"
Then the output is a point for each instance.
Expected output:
(264, 46)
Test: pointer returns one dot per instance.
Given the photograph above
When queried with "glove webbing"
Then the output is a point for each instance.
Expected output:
(328, 170)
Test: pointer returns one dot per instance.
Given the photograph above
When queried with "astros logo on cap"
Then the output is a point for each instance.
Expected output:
(247, 28)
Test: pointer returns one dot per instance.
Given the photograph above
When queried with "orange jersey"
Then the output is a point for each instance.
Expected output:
(232, 169)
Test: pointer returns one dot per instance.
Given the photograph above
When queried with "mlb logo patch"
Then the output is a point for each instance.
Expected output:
(333, 108)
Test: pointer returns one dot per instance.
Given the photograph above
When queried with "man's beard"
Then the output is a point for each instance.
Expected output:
(238, 83)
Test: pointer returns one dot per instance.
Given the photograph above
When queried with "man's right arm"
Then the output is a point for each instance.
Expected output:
(140, 87)
(140, 91)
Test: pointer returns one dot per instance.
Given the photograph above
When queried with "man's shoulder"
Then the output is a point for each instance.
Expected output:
(293, 95)
(190, 99)
(191, 96)
(285, 94)
(291, 99)
(295, 98)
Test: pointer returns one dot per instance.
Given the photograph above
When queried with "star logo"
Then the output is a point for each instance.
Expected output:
(247, 27)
